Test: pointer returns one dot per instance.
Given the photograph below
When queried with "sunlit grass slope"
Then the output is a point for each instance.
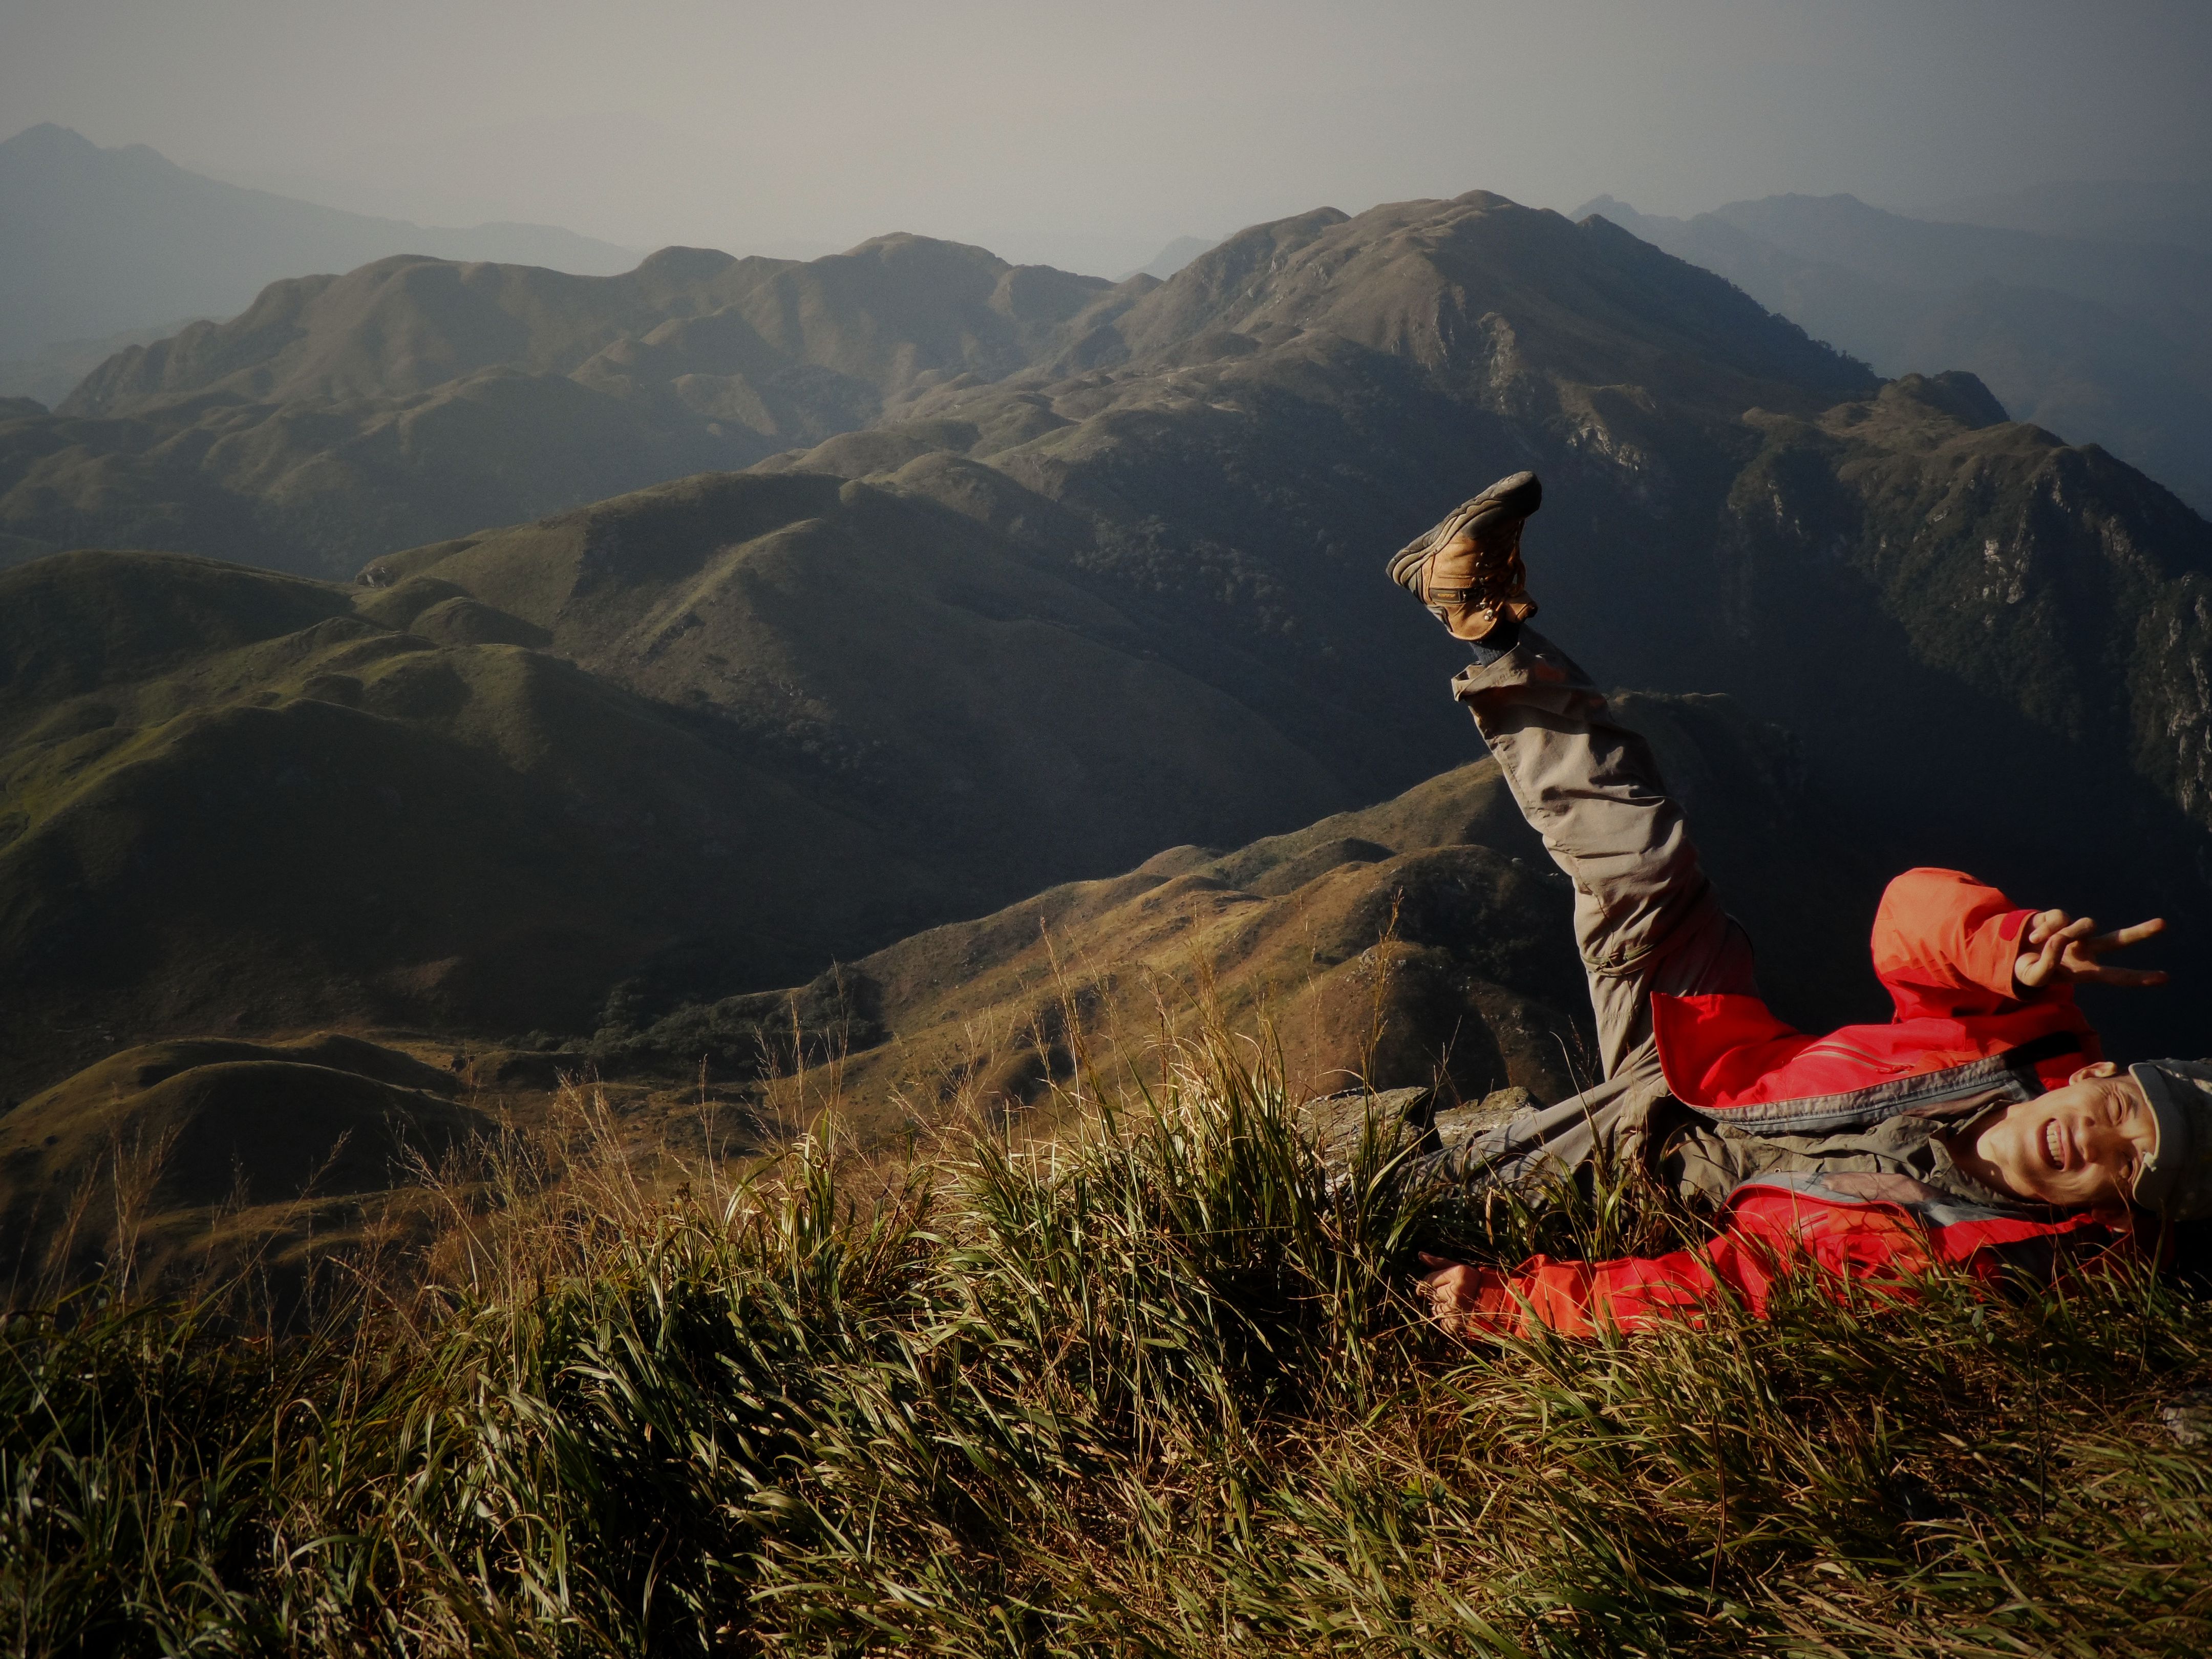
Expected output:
(1426, 940)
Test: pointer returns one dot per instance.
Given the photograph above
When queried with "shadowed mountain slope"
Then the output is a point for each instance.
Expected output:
(231, 801)
(905, 661)
(2054, 581)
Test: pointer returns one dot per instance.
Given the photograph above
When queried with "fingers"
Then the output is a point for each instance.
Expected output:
(1445, 1289)
(2060, 950)
(2120, 937)
(2081, 959)
(2122, 975)
(2036, 968)
(2061, 946)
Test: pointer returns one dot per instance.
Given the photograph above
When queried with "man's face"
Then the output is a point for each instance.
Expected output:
(2075, 1147)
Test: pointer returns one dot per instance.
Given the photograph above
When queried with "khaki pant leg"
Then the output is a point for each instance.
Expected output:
(1646, 918)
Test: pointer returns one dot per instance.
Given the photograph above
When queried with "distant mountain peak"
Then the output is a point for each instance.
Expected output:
(907, 248)
(50, 136)
(50, 144)
(685, 265)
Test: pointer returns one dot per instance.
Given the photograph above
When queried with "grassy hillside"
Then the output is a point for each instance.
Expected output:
(174, 1162)
(1150, 1390)
(1426, 941)
(720, 733)
(1422, 942)
(233, 801)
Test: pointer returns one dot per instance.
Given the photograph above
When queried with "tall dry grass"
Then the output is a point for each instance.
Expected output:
(1152, 1386)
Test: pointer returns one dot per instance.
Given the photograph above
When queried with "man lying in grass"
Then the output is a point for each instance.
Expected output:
(1981, 1126)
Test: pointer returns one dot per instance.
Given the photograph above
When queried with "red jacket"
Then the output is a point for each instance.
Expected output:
(1943, 946)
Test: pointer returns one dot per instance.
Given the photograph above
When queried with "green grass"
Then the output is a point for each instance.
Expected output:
(1147, 1390)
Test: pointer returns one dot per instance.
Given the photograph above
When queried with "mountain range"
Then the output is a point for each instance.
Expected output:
(100, 241)
(1000, 578)
(414, 399)
(2087, 311)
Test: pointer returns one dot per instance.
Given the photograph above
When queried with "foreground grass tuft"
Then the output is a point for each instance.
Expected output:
(1153, 1390)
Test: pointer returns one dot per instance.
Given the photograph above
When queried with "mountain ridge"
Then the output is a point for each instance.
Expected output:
(414, 399)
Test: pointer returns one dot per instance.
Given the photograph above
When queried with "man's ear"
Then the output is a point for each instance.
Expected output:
(2101, 1069)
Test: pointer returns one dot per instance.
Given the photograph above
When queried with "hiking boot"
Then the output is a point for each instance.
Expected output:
(1467, 570)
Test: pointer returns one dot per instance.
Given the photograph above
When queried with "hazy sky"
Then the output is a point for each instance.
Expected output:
(1089, 134)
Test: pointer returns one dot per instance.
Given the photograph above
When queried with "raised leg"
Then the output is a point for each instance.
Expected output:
(1646, 918)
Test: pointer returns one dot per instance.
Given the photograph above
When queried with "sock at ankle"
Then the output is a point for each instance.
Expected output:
(1496, 643)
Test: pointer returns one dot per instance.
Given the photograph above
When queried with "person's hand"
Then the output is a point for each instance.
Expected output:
(1464, 1301)
(2068, 950)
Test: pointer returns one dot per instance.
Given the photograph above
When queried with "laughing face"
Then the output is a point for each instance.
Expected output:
(2076, 1147)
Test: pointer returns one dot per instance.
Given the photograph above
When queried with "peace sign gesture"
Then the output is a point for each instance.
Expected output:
(2066, 949)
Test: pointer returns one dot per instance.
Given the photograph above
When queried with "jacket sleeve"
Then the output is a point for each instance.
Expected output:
(1944, 944)
(1772, 1234)
(1768, 1236)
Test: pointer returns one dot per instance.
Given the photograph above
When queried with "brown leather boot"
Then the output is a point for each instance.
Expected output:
(1468, 569)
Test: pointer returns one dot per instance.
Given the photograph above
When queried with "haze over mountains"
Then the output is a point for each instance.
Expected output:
(2087, 309)
(2108, 209)
(103, 240)
(986, 577)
